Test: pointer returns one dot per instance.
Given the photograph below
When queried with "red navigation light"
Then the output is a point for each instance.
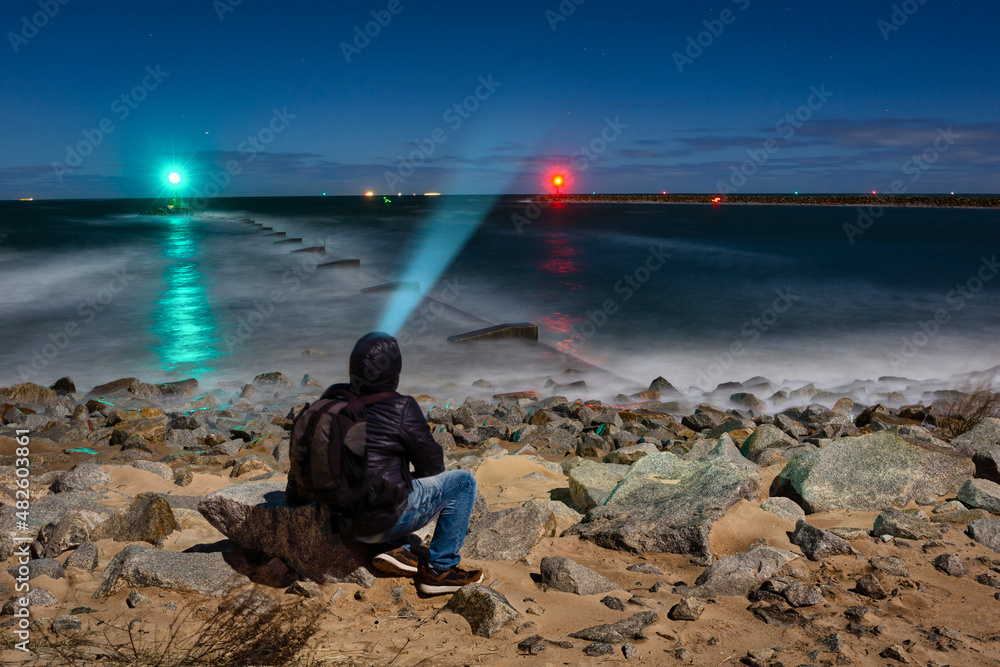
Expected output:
(556, 178)
(874, 193)
(716, 200)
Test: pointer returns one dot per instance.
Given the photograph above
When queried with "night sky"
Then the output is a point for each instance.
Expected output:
(333, 112)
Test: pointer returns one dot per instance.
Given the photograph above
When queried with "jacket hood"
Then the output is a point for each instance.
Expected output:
(375, 364)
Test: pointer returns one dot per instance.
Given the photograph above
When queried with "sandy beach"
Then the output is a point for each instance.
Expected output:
(922, 615)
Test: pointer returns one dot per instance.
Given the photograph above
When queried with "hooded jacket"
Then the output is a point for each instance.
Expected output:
(397, 432)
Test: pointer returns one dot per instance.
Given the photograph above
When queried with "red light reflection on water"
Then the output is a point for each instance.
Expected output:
(560, 323)
(560, 258)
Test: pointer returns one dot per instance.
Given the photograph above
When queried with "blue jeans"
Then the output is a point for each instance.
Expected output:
(449, 496)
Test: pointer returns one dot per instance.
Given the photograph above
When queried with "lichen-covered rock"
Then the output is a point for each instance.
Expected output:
(984, 435)
(871, 472)
(565, 575)
(256, 516)
(982, 494)
(591, 483)
(668, 505)
(138, 566)
(487, 611)
(986, 532)
(508, 534)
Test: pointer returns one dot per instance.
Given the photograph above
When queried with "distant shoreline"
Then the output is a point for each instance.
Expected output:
(915, 201)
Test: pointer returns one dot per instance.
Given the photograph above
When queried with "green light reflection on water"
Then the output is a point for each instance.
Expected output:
(183, 319)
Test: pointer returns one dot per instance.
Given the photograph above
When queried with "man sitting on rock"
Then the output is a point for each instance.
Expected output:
(398, 437)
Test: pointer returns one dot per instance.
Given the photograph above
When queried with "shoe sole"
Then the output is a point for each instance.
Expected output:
(390, 565)
(441, 589)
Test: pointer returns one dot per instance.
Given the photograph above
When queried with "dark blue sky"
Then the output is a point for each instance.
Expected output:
(609, 68)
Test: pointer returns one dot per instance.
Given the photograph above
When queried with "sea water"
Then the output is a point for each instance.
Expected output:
(623, 293)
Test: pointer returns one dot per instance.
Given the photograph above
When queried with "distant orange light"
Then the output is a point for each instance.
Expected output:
(716, 200)
(369, 194)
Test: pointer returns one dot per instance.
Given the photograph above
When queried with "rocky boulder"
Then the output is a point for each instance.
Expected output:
(668, 505)
(568, 576)
(906, 525)
(84, 476)
(137, 566)
(68, 533)
(764, 437)
(256, 516)
(786, 508)
(147, 518)
(590, 483)
(723, 449)
(739, 574)
(817, 543)
(981, 494)
(620, 631)
(629, 455)
(703, 420)
(151, 429)
(982, 436)
(36, 596)
(987, 462)
(83, 557)
(870, 472)
(487, 611)
(53, 507)
(508, 534)
(29, 392)
(986, 532)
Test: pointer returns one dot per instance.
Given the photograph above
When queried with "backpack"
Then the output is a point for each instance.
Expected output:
(329, 463)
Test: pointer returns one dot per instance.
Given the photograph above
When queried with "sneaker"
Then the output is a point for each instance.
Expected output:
(433, 582)
(400, 562)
